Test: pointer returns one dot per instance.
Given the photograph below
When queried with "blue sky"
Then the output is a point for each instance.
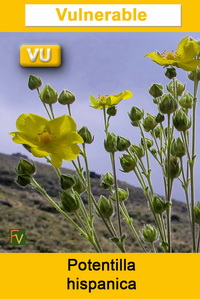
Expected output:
(97, 63)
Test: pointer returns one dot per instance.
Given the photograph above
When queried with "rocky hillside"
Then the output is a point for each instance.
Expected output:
(47, 231)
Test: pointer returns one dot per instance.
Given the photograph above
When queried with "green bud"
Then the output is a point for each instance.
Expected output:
(48, 95)
(23, 180)
(149, 122)
(137, 150)
(167, 104)
(192, 74)
(79, 187)
(25, 167)
(181, 121)
(135, 114)
(197, 214)
(70, 201)
(86, 135)
(122, 143)
(156, 90)
(166, 132)
(174, 169)
(186, 100)
(112, 111)
(157, 132)
(170, 73)
(154, 152)
(107, 180)
(159, 118)
(178, 148)
(127, 162)
(135, 123)
(66, 181)
(149, 233)
(34, 82)
(156, 101)
(148, 141)
(158, 205)
(66, 97)
(106, 207)
(123, 195)
(110, 143)
(179, 87)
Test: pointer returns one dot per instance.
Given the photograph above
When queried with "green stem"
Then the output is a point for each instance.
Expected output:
(168, 185)
(69, 110)
(51, 109)
(129, 221)
(52, 202)
(44, 104)
(153, 247)
(116, 193)
(89, 191)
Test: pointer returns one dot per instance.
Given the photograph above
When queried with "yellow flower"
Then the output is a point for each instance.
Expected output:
(109, 100)
(184, 57)
(56, 138)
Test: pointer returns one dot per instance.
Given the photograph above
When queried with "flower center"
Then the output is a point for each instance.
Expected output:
(45, 137)
(102, 98)
(169, 55)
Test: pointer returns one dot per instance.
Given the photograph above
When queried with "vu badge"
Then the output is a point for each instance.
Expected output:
(17, 237)
(40, 55)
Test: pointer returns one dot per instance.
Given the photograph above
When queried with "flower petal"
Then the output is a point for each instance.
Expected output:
(187, 49)
(190, 66)
(158, 58)
(115, 99)
(31, 124)
(22, 139)
(69, 153)
(37, 152)
(56, 161)
(61, 125)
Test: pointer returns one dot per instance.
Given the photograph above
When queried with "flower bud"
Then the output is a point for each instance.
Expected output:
(107, 180)
(149, 233)
(170, 72)
(110, 143)
(70, 201)
(156, 101)
(79, 187)
(157, 132)
(158, 205)
(159, 118)
(197, 214)
(23, 180)
(135, 114)
(34, 82)
(149, 122)
(137, 150)
(168, 104)
(181, 121)
(66, 97)
(48, 95)
(174, 169)
(112, 111)
(122, 194)
(127, 162)
(156, 90)
(186, 100)
(191, 74)
(148, 141)
(179, 87)
(178, 148)
(154, 152)
(106, 207)
(66, 181)
(86, 135)
(122, 144)
(25, 167)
